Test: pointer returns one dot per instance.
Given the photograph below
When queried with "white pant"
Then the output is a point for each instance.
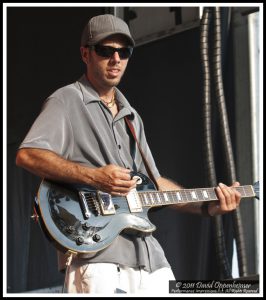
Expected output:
(109, 278)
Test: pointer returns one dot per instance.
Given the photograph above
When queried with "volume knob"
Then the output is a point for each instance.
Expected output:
(79, 240)
(70, 229)
(86, 226)
(96, 237)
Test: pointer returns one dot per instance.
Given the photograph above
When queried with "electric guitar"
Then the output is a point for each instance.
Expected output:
(80, 219)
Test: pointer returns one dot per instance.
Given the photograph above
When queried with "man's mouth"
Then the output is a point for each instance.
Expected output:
(113, 72)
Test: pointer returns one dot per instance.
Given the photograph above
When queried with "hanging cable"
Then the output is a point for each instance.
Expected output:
(204, 47)
(223, 262)
(218, 81)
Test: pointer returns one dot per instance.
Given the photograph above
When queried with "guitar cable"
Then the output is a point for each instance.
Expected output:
(205, 26)
(227, 143)
(208, 14)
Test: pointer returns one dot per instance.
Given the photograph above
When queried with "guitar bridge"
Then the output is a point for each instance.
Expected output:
(89, 204)
(106, 203)
(84, 204)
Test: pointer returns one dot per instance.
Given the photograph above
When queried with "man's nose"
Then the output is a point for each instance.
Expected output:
(116, 57)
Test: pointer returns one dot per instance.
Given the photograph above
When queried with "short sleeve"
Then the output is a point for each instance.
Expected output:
(51, 130)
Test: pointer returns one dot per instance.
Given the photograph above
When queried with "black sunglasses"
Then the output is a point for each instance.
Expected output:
(108, 51)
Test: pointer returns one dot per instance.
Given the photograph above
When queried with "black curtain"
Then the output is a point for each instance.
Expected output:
(162, 82)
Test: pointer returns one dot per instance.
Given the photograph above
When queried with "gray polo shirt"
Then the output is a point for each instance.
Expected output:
(75, 124)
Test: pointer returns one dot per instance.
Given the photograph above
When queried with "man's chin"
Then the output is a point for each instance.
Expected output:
(113, 82)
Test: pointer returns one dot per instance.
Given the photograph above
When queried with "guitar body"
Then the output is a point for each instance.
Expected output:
(80, 219)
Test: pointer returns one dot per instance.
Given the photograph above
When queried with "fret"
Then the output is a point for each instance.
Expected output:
(151, 197)
(183, 195)
(190, 198)
(146, 199)
(194, 195)
(188, 194)
(156, 197)
(178, 196)
(166, 197)
(205, 194)
(212, 194)
(174, 196)
(200, 194)
(171, 197)
(242, 191)
(161, 197)
(141, 197)
(248, 191)
(251, 192)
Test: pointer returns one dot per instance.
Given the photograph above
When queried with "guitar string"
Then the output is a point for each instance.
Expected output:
(184, 193)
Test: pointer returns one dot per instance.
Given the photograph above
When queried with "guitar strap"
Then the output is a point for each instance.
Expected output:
(132, 130)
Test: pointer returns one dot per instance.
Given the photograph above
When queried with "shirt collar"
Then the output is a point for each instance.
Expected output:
(90, 95)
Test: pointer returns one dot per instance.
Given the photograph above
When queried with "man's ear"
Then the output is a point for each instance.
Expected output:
(84, 51)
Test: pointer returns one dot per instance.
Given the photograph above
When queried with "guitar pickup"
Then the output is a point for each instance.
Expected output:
(106, 203)
(134, 202)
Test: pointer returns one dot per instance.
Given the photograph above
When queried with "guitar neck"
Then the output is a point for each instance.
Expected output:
(156, 198)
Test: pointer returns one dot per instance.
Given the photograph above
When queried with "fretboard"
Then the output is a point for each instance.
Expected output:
(155, 198)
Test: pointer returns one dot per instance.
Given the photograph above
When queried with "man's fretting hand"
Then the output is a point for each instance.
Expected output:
(229, 199)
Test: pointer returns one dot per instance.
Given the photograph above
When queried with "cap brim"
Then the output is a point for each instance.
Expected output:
(105, 35)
